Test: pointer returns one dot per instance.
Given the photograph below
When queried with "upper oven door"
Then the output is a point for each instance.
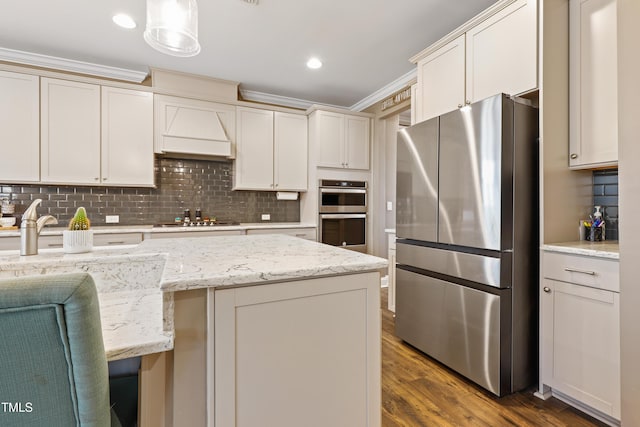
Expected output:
(343, 200)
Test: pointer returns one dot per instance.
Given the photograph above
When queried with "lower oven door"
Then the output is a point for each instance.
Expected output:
(345, 230)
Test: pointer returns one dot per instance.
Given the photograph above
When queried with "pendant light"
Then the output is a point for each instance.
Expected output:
(172, 27)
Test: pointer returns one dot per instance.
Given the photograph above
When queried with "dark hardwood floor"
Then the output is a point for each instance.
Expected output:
(418, 391)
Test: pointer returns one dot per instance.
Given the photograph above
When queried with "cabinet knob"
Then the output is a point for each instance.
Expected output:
(546, 289)
(96, 179)
(459, 105)
(104, 178)
(468, 102)
(276, 185)
(574, 156)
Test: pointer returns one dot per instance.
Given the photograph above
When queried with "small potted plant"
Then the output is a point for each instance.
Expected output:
(79, 237)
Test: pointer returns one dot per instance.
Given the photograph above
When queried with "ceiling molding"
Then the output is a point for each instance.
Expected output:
(285, 101)
(388, 90)
(45, 61)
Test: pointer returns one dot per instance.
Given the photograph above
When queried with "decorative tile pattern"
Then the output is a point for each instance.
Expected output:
(181, 184)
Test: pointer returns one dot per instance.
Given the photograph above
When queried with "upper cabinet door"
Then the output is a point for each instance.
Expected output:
(593, 100)
(502, 53)
(357, 142)
(70, 132)
(330, 130)
(127, 137)
(254, 157)
(19, 127)
(441, 80)
(290, 152)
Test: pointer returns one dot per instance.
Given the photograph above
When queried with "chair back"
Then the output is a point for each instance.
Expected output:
(53, 367)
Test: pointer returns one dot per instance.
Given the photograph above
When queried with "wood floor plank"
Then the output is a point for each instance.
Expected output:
(418, 391)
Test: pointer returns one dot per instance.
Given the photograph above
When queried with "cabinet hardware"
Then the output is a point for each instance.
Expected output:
(575, 270)
(574, 156)
(96, 179)
(459, 105)
(55, 245)
(468, 102)
(121, 242)
(546, 289)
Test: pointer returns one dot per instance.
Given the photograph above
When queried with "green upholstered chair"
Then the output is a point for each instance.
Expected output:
(53, 367)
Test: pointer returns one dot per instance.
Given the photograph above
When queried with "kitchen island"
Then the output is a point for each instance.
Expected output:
(262, 330)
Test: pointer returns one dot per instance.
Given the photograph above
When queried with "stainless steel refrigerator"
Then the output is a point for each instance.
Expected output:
(467, 241)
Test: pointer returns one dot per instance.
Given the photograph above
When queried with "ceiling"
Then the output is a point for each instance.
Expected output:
(364, 44)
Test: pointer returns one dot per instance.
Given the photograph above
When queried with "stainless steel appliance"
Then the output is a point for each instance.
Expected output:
(467, 258)
(343, 214)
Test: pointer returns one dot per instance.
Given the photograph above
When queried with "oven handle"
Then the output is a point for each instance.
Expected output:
(343, 190)
(342, 216)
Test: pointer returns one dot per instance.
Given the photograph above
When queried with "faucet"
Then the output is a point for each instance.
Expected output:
(31, 227)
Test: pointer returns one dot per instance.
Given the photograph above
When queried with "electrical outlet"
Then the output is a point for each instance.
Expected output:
(265, 217)
(389, 206)
(112, 219)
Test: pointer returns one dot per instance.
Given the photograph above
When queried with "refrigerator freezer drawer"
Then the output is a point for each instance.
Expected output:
(455, 325)
(477, 268)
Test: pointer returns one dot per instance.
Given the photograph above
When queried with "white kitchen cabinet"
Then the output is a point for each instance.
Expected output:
(271, 150)
(195, 127)
(294, 353)
(441, 80)
(342, 140)
(502, 52)
(127, 137)
(55, 241)
(70, 132)
(580, 331)
(593, 100)
(177, 233)
(307, 233)
(290, 152)
(93, 135)
(497, 54)
(254, 154)
(19, 128)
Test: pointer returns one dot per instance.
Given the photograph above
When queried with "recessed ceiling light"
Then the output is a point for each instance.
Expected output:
(314, 63)
(124, 21)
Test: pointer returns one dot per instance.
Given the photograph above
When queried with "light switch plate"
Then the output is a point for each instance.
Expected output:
(389, 206)
(265, 217)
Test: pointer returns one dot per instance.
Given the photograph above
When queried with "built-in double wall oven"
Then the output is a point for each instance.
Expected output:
(343, 214)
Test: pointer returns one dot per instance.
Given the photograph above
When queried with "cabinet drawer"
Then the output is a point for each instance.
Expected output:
(303, 233)
(595, 272)
(114, 239)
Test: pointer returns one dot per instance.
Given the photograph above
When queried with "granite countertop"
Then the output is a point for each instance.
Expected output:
(605, 249)
(112, 229)
(133, 308)
(249, 260)
(136, 282)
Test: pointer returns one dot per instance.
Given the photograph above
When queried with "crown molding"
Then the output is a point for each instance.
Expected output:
(285, 101)
(45, 61)
(388, 90)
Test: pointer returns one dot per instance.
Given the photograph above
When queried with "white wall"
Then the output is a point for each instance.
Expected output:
(629, 175)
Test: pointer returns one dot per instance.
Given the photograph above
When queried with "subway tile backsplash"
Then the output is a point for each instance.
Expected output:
(605, 194)
(181, 184)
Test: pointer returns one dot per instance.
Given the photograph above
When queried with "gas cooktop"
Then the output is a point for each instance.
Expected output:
(196, 224)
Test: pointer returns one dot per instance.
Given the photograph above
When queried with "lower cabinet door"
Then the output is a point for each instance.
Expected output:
(581, 344)
(301, 353)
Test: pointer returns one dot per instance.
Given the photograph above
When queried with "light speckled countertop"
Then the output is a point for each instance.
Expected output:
(606, 249)
(112, 229)
(136, 282)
